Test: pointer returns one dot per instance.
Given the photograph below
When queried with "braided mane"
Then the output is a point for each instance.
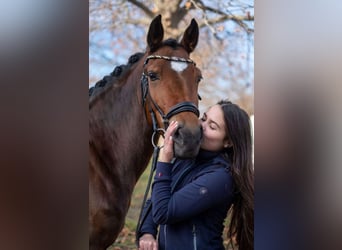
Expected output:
(118, 73)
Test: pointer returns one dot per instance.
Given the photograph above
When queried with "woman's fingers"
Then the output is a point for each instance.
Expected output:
(148, 245)
(171, 130)
(155, 245)
(148, 242)
(166, 153)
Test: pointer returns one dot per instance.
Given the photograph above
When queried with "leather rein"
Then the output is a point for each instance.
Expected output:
(178, 108)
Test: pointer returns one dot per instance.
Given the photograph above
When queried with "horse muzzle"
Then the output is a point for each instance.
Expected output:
(187, 141)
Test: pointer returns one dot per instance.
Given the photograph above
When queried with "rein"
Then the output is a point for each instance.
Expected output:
(178, 108)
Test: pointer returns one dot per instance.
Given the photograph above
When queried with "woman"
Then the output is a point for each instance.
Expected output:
(191, 198)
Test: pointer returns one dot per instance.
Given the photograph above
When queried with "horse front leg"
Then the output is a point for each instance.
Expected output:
(104, 228)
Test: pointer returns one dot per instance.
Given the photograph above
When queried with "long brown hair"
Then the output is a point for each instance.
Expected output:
(238, 131)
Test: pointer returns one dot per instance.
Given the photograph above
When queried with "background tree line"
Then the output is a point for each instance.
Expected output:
(225, 51)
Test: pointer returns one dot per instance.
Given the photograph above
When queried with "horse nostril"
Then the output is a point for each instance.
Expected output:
(184, 135)
(177, 133)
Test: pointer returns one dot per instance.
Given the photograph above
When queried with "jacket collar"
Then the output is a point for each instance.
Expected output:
(205, 154)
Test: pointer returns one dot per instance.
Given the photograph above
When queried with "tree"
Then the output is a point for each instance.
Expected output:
(224, 53)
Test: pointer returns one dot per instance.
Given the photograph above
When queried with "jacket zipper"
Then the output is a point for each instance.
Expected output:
(165, 236)
(194, 236)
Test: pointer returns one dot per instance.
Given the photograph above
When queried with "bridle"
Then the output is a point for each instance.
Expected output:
(178, 108)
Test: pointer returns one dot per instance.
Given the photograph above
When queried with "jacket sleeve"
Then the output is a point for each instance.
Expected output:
(209, 189)
(148, 225)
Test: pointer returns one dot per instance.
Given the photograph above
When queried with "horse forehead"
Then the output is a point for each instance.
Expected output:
(166, 67)
(179, 66)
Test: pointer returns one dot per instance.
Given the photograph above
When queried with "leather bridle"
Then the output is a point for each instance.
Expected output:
(178, 108)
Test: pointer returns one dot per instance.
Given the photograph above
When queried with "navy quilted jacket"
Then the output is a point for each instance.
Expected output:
(190, 200)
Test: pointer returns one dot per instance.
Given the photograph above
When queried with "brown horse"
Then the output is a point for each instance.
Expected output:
(125, 109)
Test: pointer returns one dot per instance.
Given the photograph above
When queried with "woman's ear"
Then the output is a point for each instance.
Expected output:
(227, 144)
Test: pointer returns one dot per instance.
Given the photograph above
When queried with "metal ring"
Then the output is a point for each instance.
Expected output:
(159, 131)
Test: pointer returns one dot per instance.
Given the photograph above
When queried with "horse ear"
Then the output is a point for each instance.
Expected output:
(155, 34)
(190, 37)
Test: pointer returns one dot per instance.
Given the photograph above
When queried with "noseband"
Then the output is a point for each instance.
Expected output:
(178, 108)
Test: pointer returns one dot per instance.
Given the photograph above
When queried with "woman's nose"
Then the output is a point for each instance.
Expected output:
(203, 125)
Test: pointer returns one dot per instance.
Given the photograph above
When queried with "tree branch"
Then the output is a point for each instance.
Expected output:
(224, 17)
(143, 7)
(205, 18)
(140, 21)
(237, 19)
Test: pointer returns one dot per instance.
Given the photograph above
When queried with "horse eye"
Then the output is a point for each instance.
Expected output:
(199, 79)
(153, 76)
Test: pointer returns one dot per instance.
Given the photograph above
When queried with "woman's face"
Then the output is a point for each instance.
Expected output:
(214, 129)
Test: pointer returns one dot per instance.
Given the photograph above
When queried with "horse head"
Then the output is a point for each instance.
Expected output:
(170, 86)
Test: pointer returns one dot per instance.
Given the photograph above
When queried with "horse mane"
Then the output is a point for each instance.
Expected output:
(120, 71)
(172, 43)
(114, 77)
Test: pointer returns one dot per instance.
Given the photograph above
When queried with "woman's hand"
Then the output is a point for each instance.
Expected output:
(148, 242)
(166, 152)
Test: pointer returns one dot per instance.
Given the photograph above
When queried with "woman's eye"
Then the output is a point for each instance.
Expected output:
(199, 79)
(213, 126)
(153, 76)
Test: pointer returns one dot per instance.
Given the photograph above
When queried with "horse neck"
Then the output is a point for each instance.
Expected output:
(119, 130)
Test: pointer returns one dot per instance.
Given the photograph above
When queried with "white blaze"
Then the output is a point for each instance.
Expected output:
(178, 66)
